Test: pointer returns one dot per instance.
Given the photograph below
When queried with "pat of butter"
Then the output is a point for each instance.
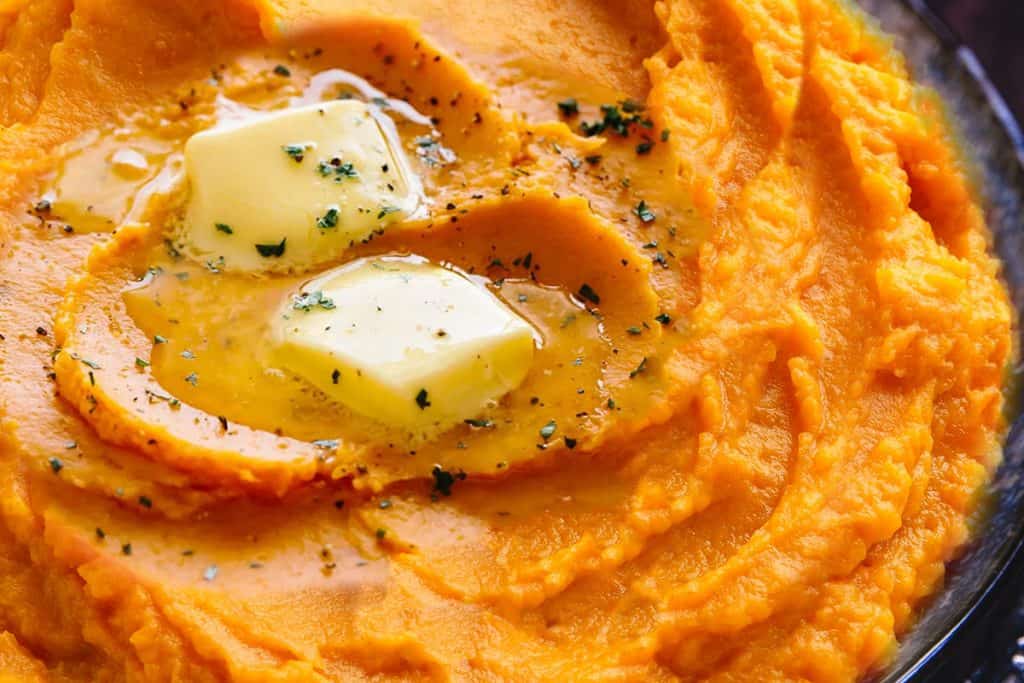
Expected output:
(404, 342)
(293, 188)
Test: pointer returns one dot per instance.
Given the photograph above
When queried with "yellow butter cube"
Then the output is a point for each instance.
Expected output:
(293, 188)
(404, 342)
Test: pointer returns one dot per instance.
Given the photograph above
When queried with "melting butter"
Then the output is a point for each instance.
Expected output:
(404, 342)
(293, 188)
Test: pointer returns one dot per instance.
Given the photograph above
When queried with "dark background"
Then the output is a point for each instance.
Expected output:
(994, 29)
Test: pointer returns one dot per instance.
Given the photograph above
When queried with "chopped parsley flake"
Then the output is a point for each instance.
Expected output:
(307, 301)
(587, 293)
(570, 443)
(296, 151)
(192, 378)
(56, 465)
(479, 423)
(328, 220)
(663, 318)
(141, 363)
(634, 330)
(644, 147)
(224, 228)
(282, 70)
(145, 502)
(326, 444)
(444, 480)
(385, 210)
(272, 250)
(126, 549)
(335, 167)
(421, 399)
(569, 107)
(639, 368)
(643, 212)
(548, 430)
(384, 504)
(618, 118)
(154, 396)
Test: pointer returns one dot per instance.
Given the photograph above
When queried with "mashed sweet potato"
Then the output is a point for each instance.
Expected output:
(767, 400)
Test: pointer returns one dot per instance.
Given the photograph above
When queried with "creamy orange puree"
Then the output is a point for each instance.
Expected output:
(773, 350)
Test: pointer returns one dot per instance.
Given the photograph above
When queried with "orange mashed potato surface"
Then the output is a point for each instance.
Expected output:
(768, 396)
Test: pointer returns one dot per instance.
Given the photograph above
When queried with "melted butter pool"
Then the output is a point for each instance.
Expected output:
(210, 332)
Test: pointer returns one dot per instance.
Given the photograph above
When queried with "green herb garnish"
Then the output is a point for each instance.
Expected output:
(587, 293)
(644, 213)
(328, 220)
(617, 118)
(272, 250)
(444, 480)
(569, 107)
(421, 399)
(296, 151)
(306, 301)
(340, 170)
